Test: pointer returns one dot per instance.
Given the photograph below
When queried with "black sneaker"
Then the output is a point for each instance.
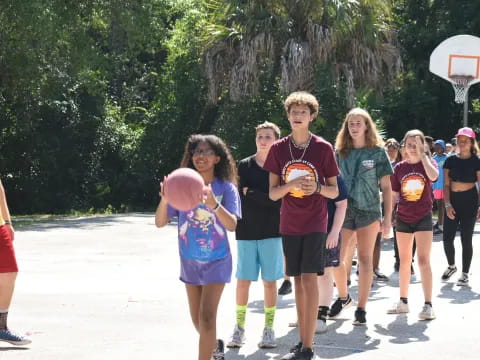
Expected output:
(293, 352)
(437, 231)
(339, 305)
(285, 288)
(449, 272)
(360, 317)
(305, 354)
(379, 276)
(219, 352)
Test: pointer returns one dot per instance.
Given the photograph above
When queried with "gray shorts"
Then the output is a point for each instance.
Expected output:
(356, 219)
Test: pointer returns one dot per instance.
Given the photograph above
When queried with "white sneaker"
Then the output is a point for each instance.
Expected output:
(426, 313)
(321, 326)
(268, 339)
(399, 308)
(238, 337)
(463, 280)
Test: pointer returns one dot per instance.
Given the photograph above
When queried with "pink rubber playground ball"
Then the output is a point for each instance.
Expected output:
(184, 189)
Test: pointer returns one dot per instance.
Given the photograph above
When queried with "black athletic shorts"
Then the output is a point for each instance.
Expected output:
(304, 253)
(424, 224)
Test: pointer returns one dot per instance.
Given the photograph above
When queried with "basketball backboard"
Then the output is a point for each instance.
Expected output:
(457, 60)
(457, 56)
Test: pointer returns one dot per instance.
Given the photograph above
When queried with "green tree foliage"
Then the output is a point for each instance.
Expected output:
(97, 97)
(77, 81)
(421, 99)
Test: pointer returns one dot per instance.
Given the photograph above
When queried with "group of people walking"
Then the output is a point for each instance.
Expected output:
(297, 206)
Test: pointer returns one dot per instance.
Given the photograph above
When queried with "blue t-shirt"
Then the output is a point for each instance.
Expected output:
(440, 159)
(201, 236)
(342, 195)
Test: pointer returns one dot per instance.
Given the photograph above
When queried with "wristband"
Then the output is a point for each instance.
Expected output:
(215, 209)
(7, 222)
(447, 205)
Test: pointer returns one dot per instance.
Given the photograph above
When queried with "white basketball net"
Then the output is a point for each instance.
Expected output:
(460, 85)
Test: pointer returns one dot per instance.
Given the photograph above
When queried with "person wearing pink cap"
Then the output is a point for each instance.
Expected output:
(461, 172)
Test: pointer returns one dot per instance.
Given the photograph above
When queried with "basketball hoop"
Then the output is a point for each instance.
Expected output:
(460, 84)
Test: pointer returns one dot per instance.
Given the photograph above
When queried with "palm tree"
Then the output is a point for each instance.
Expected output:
(290, 38)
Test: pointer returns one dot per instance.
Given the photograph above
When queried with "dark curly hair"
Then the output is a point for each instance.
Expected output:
(225, 169)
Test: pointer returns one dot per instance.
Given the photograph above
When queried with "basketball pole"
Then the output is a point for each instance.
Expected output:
(465, 109)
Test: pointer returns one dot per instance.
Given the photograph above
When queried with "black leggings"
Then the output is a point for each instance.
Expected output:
(465, 204)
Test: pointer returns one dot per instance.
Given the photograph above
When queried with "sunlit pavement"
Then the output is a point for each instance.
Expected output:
(108, 288)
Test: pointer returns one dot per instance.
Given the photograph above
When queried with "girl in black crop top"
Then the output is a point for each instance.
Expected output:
(461, 173)
(462, 170)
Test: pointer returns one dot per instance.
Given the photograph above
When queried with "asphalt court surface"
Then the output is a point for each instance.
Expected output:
(108, 288)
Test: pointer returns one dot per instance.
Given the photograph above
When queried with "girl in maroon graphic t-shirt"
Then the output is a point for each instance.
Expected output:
(411, 183)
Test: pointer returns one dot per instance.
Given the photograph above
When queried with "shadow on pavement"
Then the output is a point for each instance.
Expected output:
(333, 344)
(275, 353)
(13, 348)
(458, 294)
(257, 306)
(401, 332)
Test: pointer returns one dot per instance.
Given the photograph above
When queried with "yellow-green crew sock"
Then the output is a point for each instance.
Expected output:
(241, 314)
(269, 316)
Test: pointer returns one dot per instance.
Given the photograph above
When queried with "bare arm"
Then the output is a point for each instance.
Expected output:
(5, 211)
(430, 168)
(386, 188)
(277, 191)
(339, 217)
(449, 210)
(330, 190)
(395, 196)
(228, 220)
(161, 215)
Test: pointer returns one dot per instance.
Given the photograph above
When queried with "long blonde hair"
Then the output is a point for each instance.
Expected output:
(344, 142)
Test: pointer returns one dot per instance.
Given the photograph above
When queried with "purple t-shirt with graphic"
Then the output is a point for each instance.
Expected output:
(202, 239)
(414, 187)
(301, 214)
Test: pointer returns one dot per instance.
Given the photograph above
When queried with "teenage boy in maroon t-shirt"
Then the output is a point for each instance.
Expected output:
(303, 172)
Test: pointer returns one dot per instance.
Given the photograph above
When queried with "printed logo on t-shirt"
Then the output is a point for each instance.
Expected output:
(296, 168)
(368, 164)
(413, 185)
(201, 237)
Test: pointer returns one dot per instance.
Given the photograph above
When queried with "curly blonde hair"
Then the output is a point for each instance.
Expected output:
(344, 142)
(302, 98)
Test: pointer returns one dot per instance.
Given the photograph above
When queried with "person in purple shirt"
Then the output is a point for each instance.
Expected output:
(205, 258)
